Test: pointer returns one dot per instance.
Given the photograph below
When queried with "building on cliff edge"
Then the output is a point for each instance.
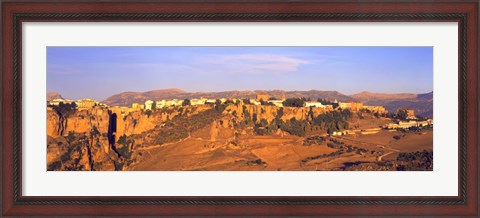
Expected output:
(353, 106)
(56, 102)
(148, 105)
(86, 103)
(314, 104)
(263, 97)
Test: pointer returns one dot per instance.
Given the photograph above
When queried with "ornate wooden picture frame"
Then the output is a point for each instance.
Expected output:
(14, 13)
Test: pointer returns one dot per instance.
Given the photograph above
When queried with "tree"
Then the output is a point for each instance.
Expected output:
(149, 113)
(229, 101)
(390, 115)
(402, 115)
(329, 131)
(310, 113)
(295, 127)
(360, 115)
(262, 127)
(263, 122)
(94, 132)
(262, 102)
(335, 105)
(279, 113)
(186, 102)
(154, 106)
(219, 106)
(324, 101)
(294, 102)
(65, 109)
(122, 140)
(70, 137)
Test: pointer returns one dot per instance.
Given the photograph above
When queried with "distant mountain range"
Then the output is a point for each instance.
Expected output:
(127, 98)
(367, 96)
(421, 103)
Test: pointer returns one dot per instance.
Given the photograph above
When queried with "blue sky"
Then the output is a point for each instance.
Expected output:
(99, 72)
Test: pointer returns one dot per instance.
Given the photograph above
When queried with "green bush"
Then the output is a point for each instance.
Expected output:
(179, 127)
(219, 106)
(294, 127)
(149, 113)
(186, 102)
(294, 102)
(65, 110)
(420, 160)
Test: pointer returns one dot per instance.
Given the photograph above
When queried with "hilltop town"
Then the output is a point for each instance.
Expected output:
(262, 133)
(261, 99)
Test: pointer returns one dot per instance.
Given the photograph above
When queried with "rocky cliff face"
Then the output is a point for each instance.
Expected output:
(269, 113)
(109, 139)
(137, 122)
(79, 122)
(84, 121)
(89, 139)
(101, 138)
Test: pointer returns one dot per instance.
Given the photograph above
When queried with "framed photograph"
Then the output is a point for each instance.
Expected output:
(250, 108)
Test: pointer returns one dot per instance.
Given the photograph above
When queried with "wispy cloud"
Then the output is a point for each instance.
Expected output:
(246, 63)
(251, 63)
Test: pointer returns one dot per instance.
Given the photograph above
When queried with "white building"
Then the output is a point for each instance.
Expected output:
(148, 105)
(197, 101)
(254, 102)
(314, 104)
(278, 103)
(211, 101)
(160, 104)
(411, 123)
(102, 105)
(174, 102)
(56, 102)
(86, 103)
